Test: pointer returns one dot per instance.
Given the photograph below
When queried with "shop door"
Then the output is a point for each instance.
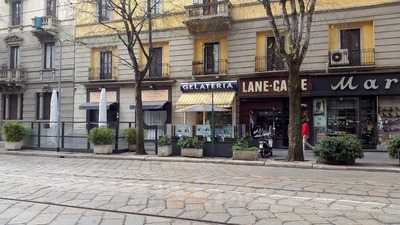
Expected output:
(350, 39)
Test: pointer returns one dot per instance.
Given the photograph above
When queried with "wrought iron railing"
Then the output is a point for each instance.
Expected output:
(213, 8)
(158, 72)
(262, 64)
(97, 73)
(216, 67)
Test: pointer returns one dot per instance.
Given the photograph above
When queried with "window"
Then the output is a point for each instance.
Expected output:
(350, 40)
(105, 65)
(16, 12)
(14, 57)
(45, 107)
(11, 107)
(211, 58)
(48, 55)
(274, 60)
(104, 10)
(156, 63)
(156, 8)
(51, 8)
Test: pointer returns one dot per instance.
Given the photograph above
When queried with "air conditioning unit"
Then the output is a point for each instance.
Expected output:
(339, 57)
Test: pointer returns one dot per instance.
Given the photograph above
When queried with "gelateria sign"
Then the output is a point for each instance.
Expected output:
(209, 86)
(372, 84)
(260, 87)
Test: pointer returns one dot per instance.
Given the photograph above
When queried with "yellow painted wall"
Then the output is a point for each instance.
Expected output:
(367, 34)
(199, 46)
(95, 60)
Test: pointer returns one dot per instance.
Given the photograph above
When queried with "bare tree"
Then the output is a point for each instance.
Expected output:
(134, 22)
(297, 18)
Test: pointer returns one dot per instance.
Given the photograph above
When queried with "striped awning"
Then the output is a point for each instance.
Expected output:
(221, 99)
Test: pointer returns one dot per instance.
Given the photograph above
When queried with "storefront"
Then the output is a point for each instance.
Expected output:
(200, 101)
(366, 105)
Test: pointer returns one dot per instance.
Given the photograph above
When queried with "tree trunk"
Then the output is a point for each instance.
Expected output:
(295, 151)
(139, 119)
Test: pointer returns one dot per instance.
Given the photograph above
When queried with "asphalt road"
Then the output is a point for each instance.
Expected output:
(57, 191)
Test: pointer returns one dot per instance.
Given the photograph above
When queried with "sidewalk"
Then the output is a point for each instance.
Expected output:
(372, 162)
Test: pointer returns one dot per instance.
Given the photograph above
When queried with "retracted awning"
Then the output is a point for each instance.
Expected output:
(222, 99)
(152, 106)
(94, 105)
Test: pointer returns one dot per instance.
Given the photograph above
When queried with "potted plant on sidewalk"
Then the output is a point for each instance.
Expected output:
(130, 136)
(243, 151)
(14, 134)
(191, 147)
(341, 149)
(394, 147)
(164, 146)
(102, 139)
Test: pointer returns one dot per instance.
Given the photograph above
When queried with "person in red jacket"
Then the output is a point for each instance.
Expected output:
(305, 133)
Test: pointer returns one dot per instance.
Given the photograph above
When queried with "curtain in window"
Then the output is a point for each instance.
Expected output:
(152, 118)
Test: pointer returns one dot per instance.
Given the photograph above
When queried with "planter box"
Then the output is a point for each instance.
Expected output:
(132, 148)
(192, 152)
(245, 155)
(102, 149)
(14, 145)
(334, 162)
(164, 150)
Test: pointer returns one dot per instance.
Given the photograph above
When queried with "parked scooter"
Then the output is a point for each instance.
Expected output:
(265, 144)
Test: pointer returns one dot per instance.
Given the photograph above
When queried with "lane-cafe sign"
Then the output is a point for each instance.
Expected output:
(269, 86)
(209, 86)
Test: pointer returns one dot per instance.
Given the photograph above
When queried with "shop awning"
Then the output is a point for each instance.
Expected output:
(202, 108)
(152, 106)
(94, 105)
(222, 99)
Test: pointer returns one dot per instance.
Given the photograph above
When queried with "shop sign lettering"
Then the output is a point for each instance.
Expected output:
(208, 86)
(277, 86)
(349, 83)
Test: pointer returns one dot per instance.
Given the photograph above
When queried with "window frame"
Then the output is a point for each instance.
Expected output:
(216, 57)
(52, 45)
(106, 64)
(14, 57)
(16, 13)
(104, 11)
(51, 8)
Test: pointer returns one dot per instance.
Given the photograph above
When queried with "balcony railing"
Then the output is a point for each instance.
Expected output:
(362, 57)
(44, 26)
(12, 75)
(213, 16)
(158, 72)
(96, 74)
(263, 65)
(218, 67)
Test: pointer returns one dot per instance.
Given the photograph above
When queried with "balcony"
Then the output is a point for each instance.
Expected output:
(351, 58)
(12, 75)
(97, 74)
(44, 27)
(158, 72)
(264, 65)
(211, 17)
(217, 67)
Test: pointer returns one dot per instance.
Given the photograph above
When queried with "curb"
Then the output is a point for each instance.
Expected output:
(266, 163)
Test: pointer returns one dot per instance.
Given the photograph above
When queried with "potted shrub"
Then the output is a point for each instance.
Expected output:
(191, 147)
(130, 135)
(14, 134)
(102, 139)
(341, 149)
(164, 146)
(243, 151)
(394, 147)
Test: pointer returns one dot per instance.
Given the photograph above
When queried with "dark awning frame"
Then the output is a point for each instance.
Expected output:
(94, 105)
(152, 106)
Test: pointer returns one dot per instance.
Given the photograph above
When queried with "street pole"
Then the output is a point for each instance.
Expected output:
(59, 97)
(212, 122)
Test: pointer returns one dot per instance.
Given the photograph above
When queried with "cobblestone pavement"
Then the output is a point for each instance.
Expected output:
(57, 191)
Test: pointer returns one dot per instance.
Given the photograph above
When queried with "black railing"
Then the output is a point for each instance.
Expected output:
(262, 64)
(214, 8)
(96, 73)
(216, 67)
(159, 71)
(359, 57)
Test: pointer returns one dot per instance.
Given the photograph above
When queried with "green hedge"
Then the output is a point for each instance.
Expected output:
(14, 132)
(130, 135)
(190, 142)
(163, 141)
(340, 149)
(101, 136)
(394, 147)
(243, 144)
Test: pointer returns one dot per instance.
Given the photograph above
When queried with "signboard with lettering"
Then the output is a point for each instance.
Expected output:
(209, 86)
(357, 85)
(269, 86)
